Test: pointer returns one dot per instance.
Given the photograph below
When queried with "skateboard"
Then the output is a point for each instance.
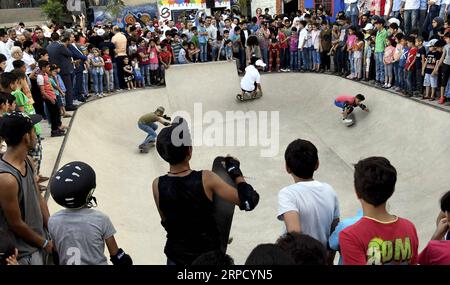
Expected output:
(223, 211)
(146, 148)
(352, 118)
(248, 96)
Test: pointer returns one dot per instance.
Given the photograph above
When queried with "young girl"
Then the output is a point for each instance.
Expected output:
(194, 52)
(128, 73)
(316, 48)
(358, 54)
(388, 63)
(293, 47)
(274, 55)
(97, 70)
(140, 82)
(368, 45)
(351, 40)
(153, 51)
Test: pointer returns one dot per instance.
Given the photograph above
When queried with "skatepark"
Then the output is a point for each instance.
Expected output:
(411, 135)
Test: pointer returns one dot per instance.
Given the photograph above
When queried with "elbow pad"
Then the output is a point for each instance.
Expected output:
(121, 258)
(248, 197)
(362, 106)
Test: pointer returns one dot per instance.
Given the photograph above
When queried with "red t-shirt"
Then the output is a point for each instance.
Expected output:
(281, 38)
(411, 59)
(437, 252)
(145, 59)
(108, 62)
(166, 56)
(350, 100)
(371, 242)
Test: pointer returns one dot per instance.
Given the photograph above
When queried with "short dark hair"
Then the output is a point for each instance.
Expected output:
(2, 58)
(54, 36)
(303, 249)
(411, 39)
(393, 26)
(374, 180)
(11, 99)
(303, 23)
(269, 254)
(20, 75)
(170, 151)
(41, 53)
(217, 258)
(43, 63)
(293, 29)
(27, 44)
(399, 36)
(226, 31)
(3, 97)
(7, 79)
(18, 63)
(301, 158)
(360, 97)
(445, 202)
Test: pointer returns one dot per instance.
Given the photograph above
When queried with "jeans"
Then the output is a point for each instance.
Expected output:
(409, 81)
(325, 60)
(120, 72)
(284, 58)
(203, 52)
(67, 79)
(411, 17)
(419, 78)
(442, 12)
(265, 56)
(54, 116)
(214, 53)
(315, 56)
(357, 65)
(109, 74)
(294, 60)
(401, 77)
(421, 21)
(85, 84)
(379, 66)
(78, 86)
(352, 63)
(340, 59)
(150, 130)
(97, 79)
(433, 13)
(306, 58)
(116, 76)
(145, 71)
(352, 11)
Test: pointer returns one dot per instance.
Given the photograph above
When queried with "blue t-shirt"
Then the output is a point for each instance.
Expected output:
(333, 241)
(404, 57)
(202, 39)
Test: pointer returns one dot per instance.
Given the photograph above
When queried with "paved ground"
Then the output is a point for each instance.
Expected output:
(413, 136)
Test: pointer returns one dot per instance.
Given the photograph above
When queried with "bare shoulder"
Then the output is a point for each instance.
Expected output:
(8, 184)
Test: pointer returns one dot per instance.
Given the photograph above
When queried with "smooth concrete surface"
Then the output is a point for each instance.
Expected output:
(411, 135)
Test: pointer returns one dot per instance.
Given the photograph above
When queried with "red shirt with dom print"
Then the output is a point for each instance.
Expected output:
(372, 242)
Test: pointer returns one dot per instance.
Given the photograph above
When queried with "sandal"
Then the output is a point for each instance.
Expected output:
(425, 98)
(67, 116)
(432, 98)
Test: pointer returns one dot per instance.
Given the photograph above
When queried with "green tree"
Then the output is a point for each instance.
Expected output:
(114, 7)
(54, 10)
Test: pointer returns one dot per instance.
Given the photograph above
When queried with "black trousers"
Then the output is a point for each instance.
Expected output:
(119, 62)
(55, 116)
(37, 98)
(325, 60)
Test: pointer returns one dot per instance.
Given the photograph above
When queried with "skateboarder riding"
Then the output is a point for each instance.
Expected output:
(251, 82)
(147, 123)
(348, 103)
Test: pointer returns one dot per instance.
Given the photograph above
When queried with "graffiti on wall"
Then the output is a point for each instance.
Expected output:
(130, 15)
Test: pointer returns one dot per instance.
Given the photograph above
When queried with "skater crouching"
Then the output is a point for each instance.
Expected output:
(348, 103)
(251, 82)
(147, 123)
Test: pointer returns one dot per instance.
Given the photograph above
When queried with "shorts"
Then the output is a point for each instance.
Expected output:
(36, 154)
(129, 78)
(430, 80)
(344, 106)
(60, 101)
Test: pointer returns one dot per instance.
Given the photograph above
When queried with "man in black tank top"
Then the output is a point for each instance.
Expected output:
(23, 211)
(184, 197)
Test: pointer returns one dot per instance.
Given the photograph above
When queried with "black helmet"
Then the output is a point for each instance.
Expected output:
(73, 185)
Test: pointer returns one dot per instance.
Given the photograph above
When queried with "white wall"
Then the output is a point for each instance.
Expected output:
(271, 4)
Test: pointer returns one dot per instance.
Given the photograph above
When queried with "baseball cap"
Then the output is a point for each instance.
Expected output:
(100, 32)
(432, 43)
(160, 109)
(394, 20)
(260, 63)
(17, 124)
(368, 26)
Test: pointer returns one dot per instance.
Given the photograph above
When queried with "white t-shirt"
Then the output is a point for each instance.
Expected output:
(412, 4)
(29, 60)
(250, 78)
(315, 202)
(4, 50)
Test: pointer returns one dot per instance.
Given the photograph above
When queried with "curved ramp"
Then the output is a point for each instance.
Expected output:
(412, 136)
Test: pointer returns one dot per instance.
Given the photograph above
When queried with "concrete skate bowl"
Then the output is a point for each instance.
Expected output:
(414, 137)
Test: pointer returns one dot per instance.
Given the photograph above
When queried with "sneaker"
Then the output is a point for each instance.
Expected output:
(57, 133)
(100, 95)
(288, 70)
(76, 102)
(346, 121)
(441, 100)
